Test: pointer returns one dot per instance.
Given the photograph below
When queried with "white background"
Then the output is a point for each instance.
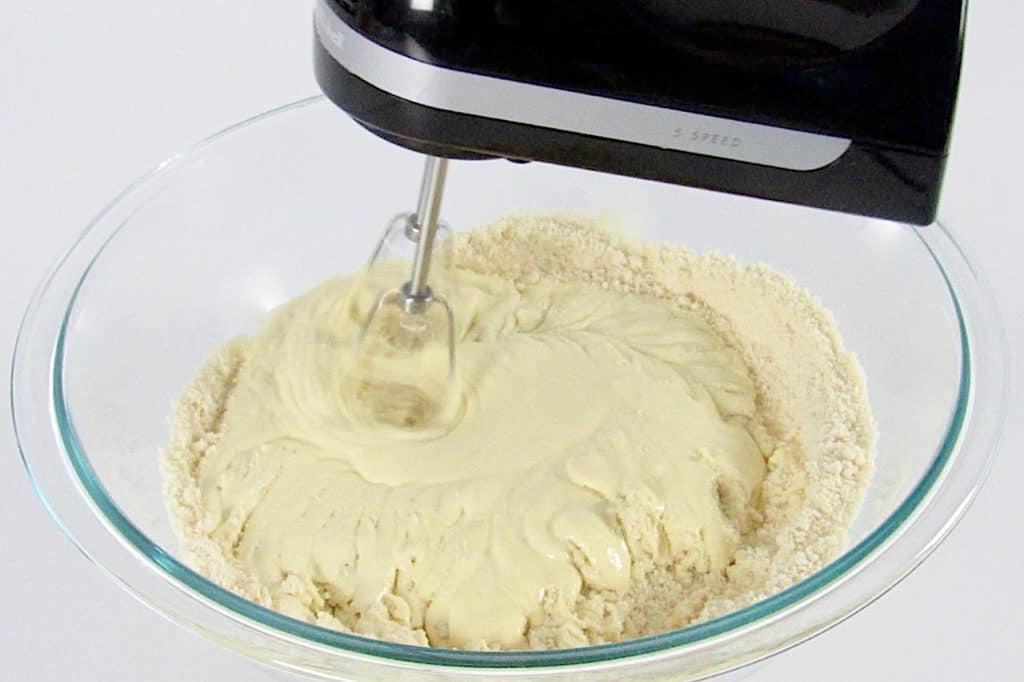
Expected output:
(93, 93)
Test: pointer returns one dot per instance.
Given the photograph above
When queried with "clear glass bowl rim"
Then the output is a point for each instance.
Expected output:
(195, 585)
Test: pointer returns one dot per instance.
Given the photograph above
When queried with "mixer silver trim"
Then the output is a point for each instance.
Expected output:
(536, 105)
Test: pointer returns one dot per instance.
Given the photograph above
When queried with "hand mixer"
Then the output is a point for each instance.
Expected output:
(837, 104)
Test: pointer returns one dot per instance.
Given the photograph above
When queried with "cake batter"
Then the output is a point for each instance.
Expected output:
(608, 456)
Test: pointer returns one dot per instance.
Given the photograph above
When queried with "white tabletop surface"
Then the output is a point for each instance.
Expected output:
(93, 93)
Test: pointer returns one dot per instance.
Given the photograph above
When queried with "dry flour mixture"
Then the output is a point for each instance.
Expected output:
(647, 438)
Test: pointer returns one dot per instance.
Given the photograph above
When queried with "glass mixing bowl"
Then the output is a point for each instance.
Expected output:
(200, 249)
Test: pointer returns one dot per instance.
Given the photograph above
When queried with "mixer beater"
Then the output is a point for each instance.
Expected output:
(409, 327)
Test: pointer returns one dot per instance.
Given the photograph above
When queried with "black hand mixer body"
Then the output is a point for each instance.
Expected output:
(838, 104)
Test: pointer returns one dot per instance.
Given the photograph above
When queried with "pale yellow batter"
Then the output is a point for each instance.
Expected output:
(612, 467)
(576, 400)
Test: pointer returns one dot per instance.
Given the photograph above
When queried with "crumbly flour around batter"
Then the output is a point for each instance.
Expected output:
(649, 438)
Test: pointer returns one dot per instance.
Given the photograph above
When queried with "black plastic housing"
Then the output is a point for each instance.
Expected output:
(882, 73)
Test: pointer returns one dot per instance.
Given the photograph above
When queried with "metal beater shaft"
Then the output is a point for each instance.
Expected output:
(416, 292)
